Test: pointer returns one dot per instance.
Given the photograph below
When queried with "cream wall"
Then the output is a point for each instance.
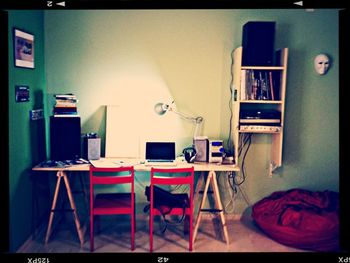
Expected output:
(136, 58)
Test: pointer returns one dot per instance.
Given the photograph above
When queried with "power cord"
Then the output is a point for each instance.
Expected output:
(235, 180)
(229, 143)
(249, 140)
(233, 191)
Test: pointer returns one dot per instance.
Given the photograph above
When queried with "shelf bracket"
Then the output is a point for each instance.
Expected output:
(272, 167)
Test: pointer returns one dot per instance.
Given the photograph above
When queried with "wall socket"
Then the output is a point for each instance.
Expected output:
(36, 114)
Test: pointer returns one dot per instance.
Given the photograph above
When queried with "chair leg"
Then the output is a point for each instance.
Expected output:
(133, 227)
(150, 230)
(91, 233)
(190, 225)
(186, 224)
(98, 224)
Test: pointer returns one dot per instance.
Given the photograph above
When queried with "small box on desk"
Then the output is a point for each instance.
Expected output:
(201, 146)
(92, 148)
(216, 151)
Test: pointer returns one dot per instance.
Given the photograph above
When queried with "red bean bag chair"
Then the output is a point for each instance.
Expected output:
(300, 218)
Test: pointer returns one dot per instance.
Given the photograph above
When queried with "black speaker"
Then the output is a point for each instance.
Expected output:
(65, 138)
(258, 43)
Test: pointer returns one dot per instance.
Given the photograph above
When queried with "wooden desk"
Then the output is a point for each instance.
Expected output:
(210, 168)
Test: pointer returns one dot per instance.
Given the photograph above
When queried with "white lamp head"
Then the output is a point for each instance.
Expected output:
(161, 108)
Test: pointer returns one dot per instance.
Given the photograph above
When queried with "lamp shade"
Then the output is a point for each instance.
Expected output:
(161, 108)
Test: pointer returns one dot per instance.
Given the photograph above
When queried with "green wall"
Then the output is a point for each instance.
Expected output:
(140, 57)
(26, 138)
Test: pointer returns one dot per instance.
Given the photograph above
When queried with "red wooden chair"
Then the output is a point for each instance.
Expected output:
(112, 203)
(182, 179)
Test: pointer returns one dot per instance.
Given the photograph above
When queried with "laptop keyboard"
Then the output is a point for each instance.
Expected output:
(160, 163)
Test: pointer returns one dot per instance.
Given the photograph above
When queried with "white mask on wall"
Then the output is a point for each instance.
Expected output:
(322, 64)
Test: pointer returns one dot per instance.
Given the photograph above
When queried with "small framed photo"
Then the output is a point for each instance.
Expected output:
(23, 48)
(22, 93)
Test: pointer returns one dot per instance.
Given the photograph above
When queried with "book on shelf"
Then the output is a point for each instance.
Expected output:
(271, 86)
(243, 84)
(276, 78)
(66, 100)
(65, 109)
(259, 84)
(65, 96)
(65, 105)
(65, 112)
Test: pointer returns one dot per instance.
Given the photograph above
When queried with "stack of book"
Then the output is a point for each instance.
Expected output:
(65, 106)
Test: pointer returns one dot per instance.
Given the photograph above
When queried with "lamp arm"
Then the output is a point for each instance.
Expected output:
(162, 108)
(196, 120)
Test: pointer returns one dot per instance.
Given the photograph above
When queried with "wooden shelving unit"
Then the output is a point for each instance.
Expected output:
(278, 104)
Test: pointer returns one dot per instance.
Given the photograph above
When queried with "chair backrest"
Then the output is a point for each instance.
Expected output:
(110, 176)
(156, 179)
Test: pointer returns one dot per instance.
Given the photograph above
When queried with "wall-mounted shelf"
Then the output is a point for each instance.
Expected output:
(260, 88)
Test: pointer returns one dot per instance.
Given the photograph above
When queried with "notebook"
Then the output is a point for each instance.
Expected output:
(160, 154)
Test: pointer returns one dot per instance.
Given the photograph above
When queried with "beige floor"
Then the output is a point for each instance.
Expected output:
(115, 238)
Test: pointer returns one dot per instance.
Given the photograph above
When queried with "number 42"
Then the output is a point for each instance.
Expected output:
(163, 259)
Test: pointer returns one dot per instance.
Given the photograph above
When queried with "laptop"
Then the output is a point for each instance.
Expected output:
(160, 154)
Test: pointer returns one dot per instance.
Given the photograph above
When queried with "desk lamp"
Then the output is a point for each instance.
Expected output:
(189, 152)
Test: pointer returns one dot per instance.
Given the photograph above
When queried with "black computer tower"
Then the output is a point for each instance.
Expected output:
(65, 138)
(258, 43)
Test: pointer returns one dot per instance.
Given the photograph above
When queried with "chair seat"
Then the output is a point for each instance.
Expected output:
(175, 209)
(112, 203)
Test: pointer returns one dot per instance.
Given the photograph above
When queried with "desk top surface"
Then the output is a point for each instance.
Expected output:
(139, 166)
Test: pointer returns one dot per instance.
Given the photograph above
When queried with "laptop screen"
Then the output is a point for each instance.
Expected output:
(160, 151)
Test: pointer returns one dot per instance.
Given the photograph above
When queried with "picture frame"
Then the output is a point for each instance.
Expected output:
(22, 93)
(23, 46)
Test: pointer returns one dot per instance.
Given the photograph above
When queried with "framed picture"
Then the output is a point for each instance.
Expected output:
(22, 93)
(23, 48)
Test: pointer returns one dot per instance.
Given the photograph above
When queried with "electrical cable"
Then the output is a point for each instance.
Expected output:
(229, 143)
(232, 196)
(235, 182)
(243, 160)
(233, 177)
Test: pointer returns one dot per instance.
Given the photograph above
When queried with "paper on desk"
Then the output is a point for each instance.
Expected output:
(104, 163)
